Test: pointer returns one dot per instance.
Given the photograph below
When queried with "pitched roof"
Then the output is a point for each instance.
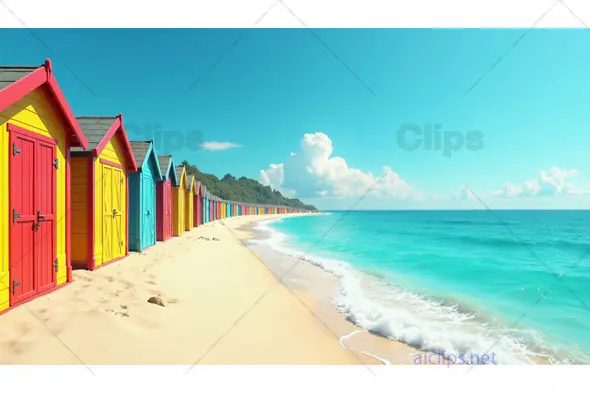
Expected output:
(166, 162)
(100, 130)
(142, 150)
(164, 165)
(10, 74)
(179, 169)
(95, 128)
(191, 182)
(17, 82)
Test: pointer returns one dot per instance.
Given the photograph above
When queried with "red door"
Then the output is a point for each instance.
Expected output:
(197, 210)
(33, 260)
(164, 210)
(168, 209)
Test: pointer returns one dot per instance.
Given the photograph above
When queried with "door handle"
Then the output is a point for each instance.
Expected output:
(39, 215)
(114, 212)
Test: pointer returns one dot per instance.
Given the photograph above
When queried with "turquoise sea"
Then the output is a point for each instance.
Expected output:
(516, 283)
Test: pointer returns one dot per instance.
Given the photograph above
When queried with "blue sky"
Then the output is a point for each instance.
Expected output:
(327, 120)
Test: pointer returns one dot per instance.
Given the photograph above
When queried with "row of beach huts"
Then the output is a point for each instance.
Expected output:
(76, 193)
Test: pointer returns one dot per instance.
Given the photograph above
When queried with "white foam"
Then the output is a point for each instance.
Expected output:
(393, 312)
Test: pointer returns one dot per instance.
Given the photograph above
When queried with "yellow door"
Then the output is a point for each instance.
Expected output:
(118, 196)
(107, 222)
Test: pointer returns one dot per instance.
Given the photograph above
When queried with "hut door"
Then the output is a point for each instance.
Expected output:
(119, 203)
(113, 224)
(107, 224)
(167, 200)
(32, 261)
(148, 193)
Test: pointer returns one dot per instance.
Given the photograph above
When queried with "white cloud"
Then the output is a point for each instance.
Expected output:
(215, 146)
(553, 182)
(313, 171)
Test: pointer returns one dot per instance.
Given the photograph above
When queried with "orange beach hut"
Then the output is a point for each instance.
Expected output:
(37, 131)
(100, 193)
(179, 202)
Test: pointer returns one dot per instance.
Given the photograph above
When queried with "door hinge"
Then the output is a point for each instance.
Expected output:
(15, 150)
(55, 265)
(121, 180)
(121, 243)
(15, 215)
(15, 285)
(56, 163)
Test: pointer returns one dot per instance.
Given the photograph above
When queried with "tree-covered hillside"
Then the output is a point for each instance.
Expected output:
(243, 189)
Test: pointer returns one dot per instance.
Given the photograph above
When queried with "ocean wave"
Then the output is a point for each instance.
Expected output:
(391, 311)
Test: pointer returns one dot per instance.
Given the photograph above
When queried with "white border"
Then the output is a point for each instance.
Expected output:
(295, 379)
(312, 13)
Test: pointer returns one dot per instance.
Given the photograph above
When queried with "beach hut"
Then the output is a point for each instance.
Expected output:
(198, 205)
(142, 195)
(206, 205)
(37, 131)
(179, 201)
(100, 192)
(164, 204)
(190, 203)
(213, 208)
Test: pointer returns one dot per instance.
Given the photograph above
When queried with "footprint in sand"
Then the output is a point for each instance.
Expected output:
(15, 346)
(172, 301)
(151, 282)
(110, 279)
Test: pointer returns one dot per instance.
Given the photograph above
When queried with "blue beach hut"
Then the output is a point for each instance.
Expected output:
(206, 204)
(142, 195)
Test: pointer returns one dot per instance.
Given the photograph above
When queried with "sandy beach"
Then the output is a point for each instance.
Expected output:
(222, 306)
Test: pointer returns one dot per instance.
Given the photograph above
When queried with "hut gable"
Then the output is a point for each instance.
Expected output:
(168, 169)
(100, 130)
(181, 176)
(146, 157)
(16, 82)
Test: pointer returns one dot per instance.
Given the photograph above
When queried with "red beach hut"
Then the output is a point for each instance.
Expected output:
(164, 198)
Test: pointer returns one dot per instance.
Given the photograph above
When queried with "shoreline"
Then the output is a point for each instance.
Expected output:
(316, 287)
(323, 286)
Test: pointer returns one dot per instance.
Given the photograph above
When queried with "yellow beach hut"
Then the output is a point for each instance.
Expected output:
(100, 193)
(37, 130)
(189, 210)
(179, 202)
